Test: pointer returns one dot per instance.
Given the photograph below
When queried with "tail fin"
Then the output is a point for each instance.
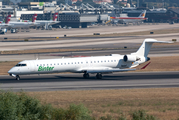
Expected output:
(8, 18)
(142, 15)
(55, 16)
(146, 45)
(34, 17)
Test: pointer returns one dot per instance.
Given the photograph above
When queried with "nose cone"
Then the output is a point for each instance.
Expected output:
(11, 71)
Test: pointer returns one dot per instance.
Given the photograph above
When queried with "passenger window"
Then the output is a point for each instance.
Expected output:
(61, 63)
(75, 62)
(81, 62)
(37, 65)
(108, 60)
(86, 62)
(91, 61)
(98, 61)
(114, 60)
(54, 63)
(40, 64)
(101, 61)
(65, 63)
(71, 63)
(78, 62)
(111, 60)
(105, 61)
(94, 61)
(68, 63)
(50, 64)
(43, 64)
(47, 64)
(57, 63)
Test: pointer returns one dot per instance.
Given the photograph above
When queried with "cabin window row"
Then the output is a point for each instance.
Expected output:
(77, 63)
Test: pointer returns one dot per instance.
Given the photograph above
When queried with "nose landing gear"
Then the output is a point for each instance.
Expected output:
(17, 77)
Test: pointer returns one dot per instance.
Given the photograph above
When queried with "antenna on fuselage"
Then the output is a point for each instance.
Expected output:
(36, 57)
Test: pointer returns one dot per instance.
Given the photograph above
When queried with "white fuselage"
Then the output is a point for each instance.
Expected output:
(133, 20)
(43, 23)
(18, 25)
(72, 65)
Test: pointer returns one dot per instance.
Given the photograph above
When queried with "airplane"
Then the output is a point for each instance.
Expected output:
(127, 20)
(4, 25)
(86, 65)
(46, 23)
(16, 25)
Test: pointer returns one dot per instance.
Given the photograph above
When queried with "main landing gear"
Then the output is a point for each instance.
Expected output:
(99, 76)
(17, 77)
(86, 75)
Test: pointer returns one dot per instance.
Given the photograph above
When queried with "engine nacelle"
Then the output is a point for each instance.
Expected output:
(130, 58)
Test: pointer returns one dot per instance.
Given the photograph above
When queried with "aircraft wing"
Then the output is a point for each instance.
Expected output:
(106, 69)
(109, 70)
(103, 70)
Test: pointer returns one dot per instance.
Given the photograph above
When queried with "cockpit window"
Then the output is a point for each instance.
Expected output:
(21, 65)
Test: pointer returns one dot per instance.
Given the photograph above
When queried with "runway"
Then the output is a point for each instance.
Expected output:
(81, 43)
(154, 52)
(54, 82)
(89, 31)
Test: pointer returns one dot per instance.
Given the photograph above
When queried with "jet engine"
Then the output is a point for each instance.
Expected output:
(130, 58)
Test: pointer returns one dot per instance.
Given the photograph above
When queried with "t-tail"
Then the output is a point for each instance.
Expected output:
(141, 55)
(8, 18)
(142, 15)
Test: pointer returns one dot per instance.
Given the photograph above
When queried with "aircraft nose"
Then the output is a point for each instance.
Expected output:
(11, 71)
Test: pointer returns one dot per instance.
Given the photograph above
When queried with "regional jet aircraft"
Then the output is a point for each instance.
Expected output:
(99, 65)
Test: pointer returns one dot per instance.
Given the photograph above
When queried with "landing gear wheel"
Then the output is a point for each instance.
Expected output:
(17, 77)
(85, 75)
(99, 76)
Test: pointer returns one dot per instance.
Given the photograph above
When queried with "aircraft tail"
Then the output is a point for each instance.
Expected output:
(142, 15)
(34, 17)
(55, 16)
(145, 47)
(8, 18)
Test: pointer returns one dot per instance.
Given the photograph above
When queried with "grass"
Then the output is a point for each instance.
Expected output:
(169, 63)
(159, 102)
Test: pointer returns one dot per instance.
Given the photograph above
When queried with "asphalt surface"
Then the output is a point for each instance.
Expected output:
(54, 82)
(89, 31)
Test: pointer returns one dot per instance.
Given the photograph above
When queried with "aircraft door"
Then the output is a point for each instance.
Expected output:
(31, 66)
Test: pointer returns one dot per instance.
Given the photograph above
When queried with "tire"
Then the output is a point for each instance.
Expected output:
(99, 76)
(86, 75)
(17, 77)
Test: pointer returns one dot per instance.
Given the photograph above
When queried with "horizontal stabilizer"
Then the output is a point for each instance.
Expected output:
(155, 41)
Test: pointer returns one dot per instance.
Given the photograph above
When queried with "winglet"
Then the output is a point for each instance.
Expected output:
(145, 65)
